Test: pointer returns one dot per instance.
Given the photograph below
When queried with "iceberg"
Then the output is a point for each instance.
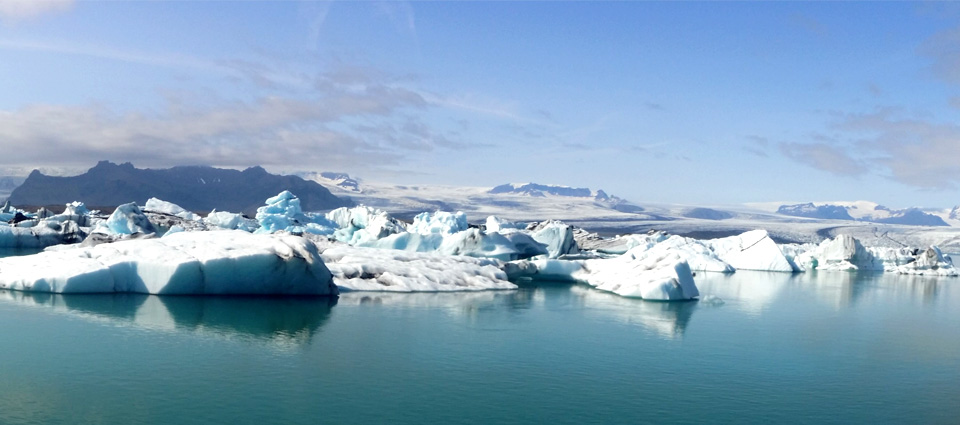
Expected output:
(471, 242)
(440, 222)
(369, 269)
(230, 221)
(558, 238)
(360, 225)
(649, 274)
(846, 253)
(644, 274)
(127, 219)
(43, 234)
(159, 206)
(183, 263)
(283, 213)
(753, 250)
(496, 224)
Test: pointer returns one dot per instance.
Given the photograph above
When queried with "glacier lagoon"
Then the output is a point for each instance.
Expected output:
(827, 347)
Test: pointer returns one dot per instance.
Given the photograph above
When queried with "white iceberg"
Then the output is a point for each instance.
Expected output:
(227, 262)
(753, 250)
(440, 222)
(368, 269)
(644, 274)
(648, 274)
(471, 242)
(230, 221)
(496, 224)
(160, 206)
(930, 261)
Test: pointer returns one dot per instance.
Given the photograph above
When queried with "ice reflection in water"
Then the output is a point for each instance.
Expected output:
(280, 321)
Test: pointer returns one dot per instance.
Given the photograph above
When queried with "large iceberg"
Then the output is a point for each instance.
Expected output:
(648, 274)
(368, 269)
(40, 234)
(360, 225)
(753, 250)
(127, 219)
(227, 262)
(440, 222)
(846, 253)
(160, 206)
(557, 236)
(470, 242)
(283, 213)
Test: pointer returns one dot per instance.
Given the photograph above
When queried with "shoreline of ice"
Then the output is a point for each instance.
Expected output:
(164, 249)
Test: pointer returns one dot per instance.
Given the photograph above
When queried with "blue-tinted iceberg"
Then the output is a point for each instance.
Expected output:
(283, 213)
(361, 225)
(127, 219)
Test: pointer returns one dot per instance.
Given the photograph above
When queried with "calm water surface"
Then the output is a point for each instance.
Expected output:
(812, 348)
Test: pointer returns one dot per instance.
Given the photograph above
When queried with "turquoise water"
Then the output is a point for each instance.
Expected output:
(813, 348)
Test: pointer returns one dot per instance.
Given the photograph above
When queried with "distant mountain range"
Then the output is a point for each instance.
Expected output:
(543, 190)
(864, 211)
(340, 180)
(195, 188)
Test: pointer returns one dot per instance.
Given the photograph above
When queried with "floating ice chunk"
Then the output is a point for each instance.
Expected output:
(367, 269)
(127, 219)
(230, 221)
(699, 255)
(440, 222)
(930, 262)
(525, 245)
(649, 275)
(43, 234)
(652, 274)
(228, 262)
(496, 224)
(156, 205)
(753, 250)
(359, 225)
(283, 213)
(558, 238)
(470, 242)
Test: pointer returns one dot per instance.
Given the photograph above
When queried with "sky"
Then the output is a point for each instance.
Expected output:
(701, 103)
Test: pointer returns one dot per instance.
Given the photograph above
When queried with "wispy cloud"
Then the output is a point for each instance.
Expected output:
(824, 157)
(918, 152)
(19, 10)
(943, 50)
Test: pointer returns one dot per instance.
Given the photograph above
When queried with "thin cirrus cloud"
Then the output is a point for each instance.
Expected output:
(921, 153)
(347, 115)
(18, 10)
(824, 157)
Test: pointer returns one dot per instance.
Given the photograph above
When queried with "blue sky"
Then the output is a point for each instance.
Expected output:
(689, 102)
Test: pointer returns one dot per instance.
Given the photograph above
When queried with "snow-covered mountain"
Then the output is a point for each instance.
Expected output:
(341, 181)
(863, 211)
(544, 190)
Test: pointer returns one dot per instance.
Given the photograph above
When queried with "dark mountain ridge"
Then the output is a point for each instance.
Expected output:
(195, 188)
